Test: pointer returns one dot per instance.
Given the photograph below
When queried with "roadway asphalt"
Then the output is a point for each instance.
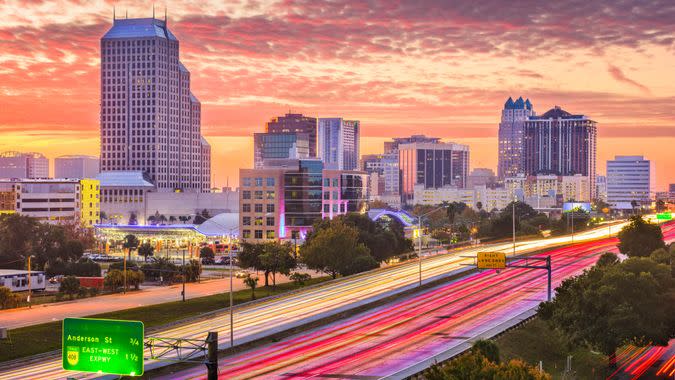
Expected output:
(385, 342)
(259, 319)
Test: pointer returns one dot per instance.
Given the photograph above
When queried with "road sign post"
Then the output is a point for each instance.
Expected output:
(103, 346)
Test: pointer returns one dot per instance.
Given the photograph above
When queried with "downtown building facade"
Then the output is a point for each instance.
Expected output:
(52, 200)
(511, 127)
(283, 199)
(150, 119)
(23, 165)
(76, 167)
(630, 180)
(295, 123)
(432, 165)
(562, 144)
(338, 143)
(279, 145)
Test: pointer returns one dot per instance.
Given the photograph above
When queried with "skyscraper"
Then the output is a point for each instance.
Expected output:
(560, 143)
(629, 178)
(514, 116)
(272, 145)
(432, 165)
(295, 123)
(76, 167)
(150, 120)
(338, 143)
(23, 165)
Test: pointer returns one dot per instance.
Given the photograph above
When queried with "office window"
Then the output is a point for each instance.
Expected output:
(258, 234)
(326, 208)
(258, 207)
(270, 181)
(270, 208)
(246, 207)
(270, 234)
(258, 221)
(246, 194)
(259, 182)
(246, 234)
(326, 195)
(258, 194)
(335, 208)
(246, 182)
(246, 220)
(326, 182)
(335, 182)
(269, 195)
(270, 221)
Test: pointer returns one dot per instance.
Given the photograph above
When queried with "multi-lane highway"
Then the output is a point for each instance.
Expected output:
(390, 340)
(260, 319)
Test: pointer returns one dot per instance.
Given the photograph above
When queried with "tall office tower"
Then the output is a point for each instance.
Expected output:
(514, 116)
(76, 167)
(150, 120)
(629, 178)
(23, 165)
(338, 143)
(392, 146)
(273, 145)
(560, 143)
(295, 123)
(433, 165)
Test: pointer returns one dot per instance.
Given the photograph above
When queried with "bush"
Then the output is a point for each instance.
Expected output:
(135, 279)
(192, 270)
(70, 285)
(8, 299)
(300, 278)
(93, 292)
(81, 268)
(114, 280)
(162, 269)
(82, 292)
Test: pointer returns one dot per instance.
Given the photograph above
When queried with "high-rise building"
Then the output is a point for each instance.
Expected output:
(433, 165)
(282, 145)
(23, 165)
(295, 123)
(560, 143)
(150, 120)
(76, 167)
(344, 191)
(338, 143)
(601, 187)
(392, 146)
(629, 178)
(514, 116)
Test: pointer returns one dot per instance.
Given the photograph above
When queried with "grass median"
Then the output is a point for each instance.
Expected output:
(46, 337)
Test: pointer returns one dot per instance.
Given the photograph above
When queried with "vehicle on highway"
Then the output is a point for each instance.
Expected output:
(241, 274)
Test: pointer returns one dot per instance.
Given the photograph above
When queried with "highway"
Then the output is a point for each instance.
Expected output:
(260, 319)
(386, 341)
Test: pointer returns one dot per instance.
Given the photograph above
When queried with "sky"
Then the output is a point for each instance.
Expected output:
(435, 67)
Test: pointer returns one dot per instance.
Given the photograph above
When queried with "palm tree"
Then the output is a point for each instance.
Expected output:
(130, 243)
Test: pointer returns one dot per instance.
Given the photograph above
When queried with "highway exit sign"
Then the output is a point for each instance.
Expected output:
(664, 216)
(491, 260)
(103, 346)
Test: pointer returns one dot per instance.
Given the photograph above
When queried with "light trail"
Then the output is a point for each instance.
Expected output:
(264, 318)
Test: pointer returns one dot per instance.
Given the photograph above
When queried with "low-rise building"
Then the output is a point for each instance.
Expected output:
(479, 197)
(76, 167)
(52, 200)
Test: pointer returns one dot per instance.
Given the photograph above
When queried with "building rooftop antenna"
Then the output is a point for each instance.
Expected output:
(113, 14)
(153, 11)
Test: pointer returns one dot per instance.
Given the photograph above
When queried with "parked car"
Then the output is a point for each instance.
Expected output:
(56, 279)
(241, 274)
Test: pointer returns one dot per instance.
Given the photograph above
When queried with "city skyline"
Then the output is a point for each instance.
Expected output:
(432, 82)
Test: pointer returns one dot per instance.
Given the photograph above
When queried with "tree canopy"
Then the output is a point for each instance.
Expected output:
(616, 303)
(640, 238)
(336, 249)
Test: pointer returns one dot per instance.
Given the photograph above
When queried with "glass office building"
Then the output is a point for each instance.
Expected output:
(267, 146)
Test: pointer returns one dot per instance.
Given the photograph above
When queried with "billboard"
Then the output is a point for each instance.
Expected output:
(576, 206)
(103, 346)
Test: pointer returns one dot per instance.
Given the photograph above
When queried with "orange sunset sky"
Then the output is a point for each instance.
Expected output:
(441, 68)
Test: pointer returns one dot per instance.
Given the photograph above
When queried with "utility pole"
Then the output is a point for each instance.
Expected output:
(125, 272)
(419, 245)
(29, 282)
(513, 217)
(184, 275)
(229, 252)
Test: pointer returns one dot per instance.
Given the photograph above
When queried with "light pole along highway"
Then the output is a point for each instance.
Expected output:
(419, 236)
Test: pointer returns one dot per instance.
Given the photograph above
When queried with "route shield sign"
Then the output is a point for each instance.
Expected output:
(491, 260)
(664, 216)
(103, 346)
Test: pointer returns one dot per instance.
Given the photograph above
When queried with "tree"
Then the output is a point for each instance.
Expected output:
(135, 278)
(130, 243)
(479, 206)
(133, 219)
(640, 238)
(487, 348)
(146, 249)
(103, 216)
(251, 282)
(336, 250)
(207, 253)
(277, 258)
(660, 205)
(172, 219)
(192, 270)
(610, 305)
(114, 279)
(161, 269)
(249, 257)
(70, 285)
(377, 204)
(7, 298)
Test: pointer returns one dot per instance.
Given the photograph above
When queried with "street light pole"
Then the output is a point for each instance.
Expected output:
(419, 245)
(29, 282)
(513, 217)
(184, 275)
(229, 252)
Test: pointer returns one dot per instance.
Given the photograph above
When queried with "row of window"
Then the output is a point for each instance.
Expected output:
(257, 221)
(258, 194)
(258, 234)
(258, 207)
(248, 182)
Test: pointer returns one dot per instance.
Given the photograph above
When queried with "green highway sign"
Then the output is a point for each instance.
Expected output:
(103, 346)
(664, 216)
